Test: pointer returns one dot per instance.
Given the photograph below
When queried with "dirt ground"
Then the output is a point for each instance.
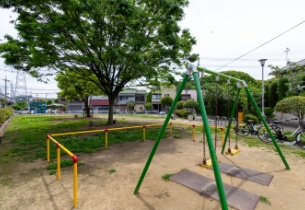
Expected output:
(33, 187)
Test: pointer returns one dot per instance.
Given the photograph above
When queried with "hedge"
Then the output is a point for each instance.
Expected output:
(182, 113)
(5, 114)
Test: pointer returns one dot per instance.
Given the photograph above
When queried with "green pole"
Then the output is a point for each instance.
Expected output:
(220, 74)
(267, 127)
(205, 121)
(231, 119)
(154, 149)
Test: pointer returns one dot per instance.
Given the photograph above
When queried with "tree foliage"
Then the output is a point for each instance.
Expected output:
(166, 101)
(293, 105)
(180, 104)
(273, 95)
(283, 88)
(19, 105)
(73, 86)
(148, 105)
(117, 41)
(130, 105)
(191, 103)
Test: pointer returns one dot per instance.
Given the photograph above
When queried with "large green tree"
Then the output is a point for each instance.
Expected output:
(118, 41)
(73, 86)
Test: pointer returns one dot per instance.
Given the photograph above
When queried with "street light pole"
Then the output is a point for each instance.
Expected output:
(262, 62)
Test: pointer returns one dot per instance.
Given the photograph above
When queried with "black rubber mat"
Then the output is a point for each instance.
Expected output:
(247, 174)
(236, 198)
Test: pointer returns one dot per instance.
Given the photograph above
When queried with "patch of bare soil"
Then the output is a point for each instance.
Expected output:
(109, 177)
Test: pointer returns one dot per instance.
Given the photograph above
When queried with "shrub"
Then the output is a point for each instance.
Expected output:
(180, 104)
(166, 101)
(269, 112)
(2, 116)
(182, 113)
(251, 117)
(191, 103)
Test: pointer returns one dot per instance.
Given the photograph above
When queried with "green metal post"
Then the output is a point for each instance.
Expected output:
(230, 121)
(220, 74)
(154, 149)
(267, 127)
(205, 121)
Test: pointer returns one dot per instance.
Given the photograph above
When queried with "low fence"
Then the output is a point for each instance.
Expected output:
(194, 129)
(59, 147)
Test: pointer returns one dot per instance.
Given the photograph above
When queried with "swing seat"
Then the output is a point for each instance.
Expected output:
(233, 152)
(208, 164)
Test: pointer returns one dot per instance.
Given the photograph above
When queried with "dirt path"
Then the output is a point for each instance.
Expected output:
(31, 187)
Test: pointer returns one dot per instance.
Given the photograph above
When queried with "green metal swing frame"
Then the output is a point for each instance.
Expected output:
(192, 70)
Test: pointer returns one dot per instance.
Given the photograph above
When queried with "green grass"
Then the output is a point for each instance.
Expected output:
(264, 200)
(52, 172)
(63, 164)
(167, 177)
(25, 138)
(112, 171)
(300, 153)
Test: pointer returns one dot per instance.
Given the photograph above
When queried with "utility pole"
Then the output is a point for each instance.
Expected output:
(5, 91)
(12, 93)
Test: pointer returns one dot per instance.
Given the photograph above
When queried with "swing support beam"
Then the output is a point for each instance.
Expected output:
(256, 108)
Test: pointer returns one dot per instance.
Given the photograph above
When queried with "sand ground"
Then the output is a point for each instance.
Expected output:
(33, 187)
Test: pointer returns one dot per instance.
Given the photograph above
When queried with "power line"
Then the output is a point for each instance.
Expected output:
(261, 45)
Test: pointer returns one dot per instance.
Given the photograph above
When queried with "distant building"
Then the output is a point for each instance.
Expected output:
(138, 97)
(75, 106)
(293, 66)
(188, 94)
(157, 95)
(100, 104)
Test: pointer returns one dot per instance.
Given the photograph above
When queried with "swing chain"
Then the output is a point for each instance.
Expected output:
(229, 107)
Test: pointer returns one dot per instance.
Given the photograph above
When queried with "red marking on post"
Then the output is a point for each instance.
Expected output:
(57, 145)
(74, 158)
(144, 126)
(194, 126)
(221, 129)
(106, 130)
(170, 123)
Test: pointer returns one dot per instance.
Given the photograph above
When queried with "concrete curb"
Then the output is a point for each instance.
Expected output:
(4, 127)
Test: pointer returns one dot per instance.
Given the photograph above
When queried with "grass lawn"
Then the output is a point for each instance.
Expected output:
(25, 138)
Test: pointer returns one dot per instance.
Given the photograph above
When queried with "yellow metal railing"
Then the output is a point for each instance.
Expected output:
(194, 130)
(60, 147)
(74, 158)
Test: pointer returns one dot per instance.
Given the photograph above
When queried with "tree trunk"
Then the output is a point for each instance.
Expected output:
(110, 111)
(87, 109)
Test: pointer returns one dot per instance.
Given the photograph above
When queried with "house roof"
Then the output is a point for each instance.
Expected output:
(132, 91)
(100, 102)
(299, 63)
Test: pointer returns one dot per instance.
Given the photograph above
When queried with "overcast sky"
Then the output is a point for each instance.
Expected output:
(224, 31)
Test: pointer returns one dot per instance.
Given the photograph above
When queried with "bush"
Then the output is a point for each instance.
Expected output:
(2, 116)
(191, 103)
(5, 114)
(269, 112)
(180, 105)
(166, 101)
(182, 113)
(251, 117)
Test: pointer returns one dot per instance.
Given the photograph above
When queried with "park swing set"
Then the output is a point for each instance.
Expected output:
(214, 162)
(207, 163)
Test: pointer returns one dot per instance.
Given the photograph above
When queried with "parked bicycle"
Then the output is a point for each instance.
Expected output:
(298, 135)
(246, 129)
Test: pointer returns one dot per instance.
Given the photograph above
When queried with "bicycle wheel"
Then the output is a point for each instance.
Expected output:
(264, 136)
(242, 130)
(300, 139)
